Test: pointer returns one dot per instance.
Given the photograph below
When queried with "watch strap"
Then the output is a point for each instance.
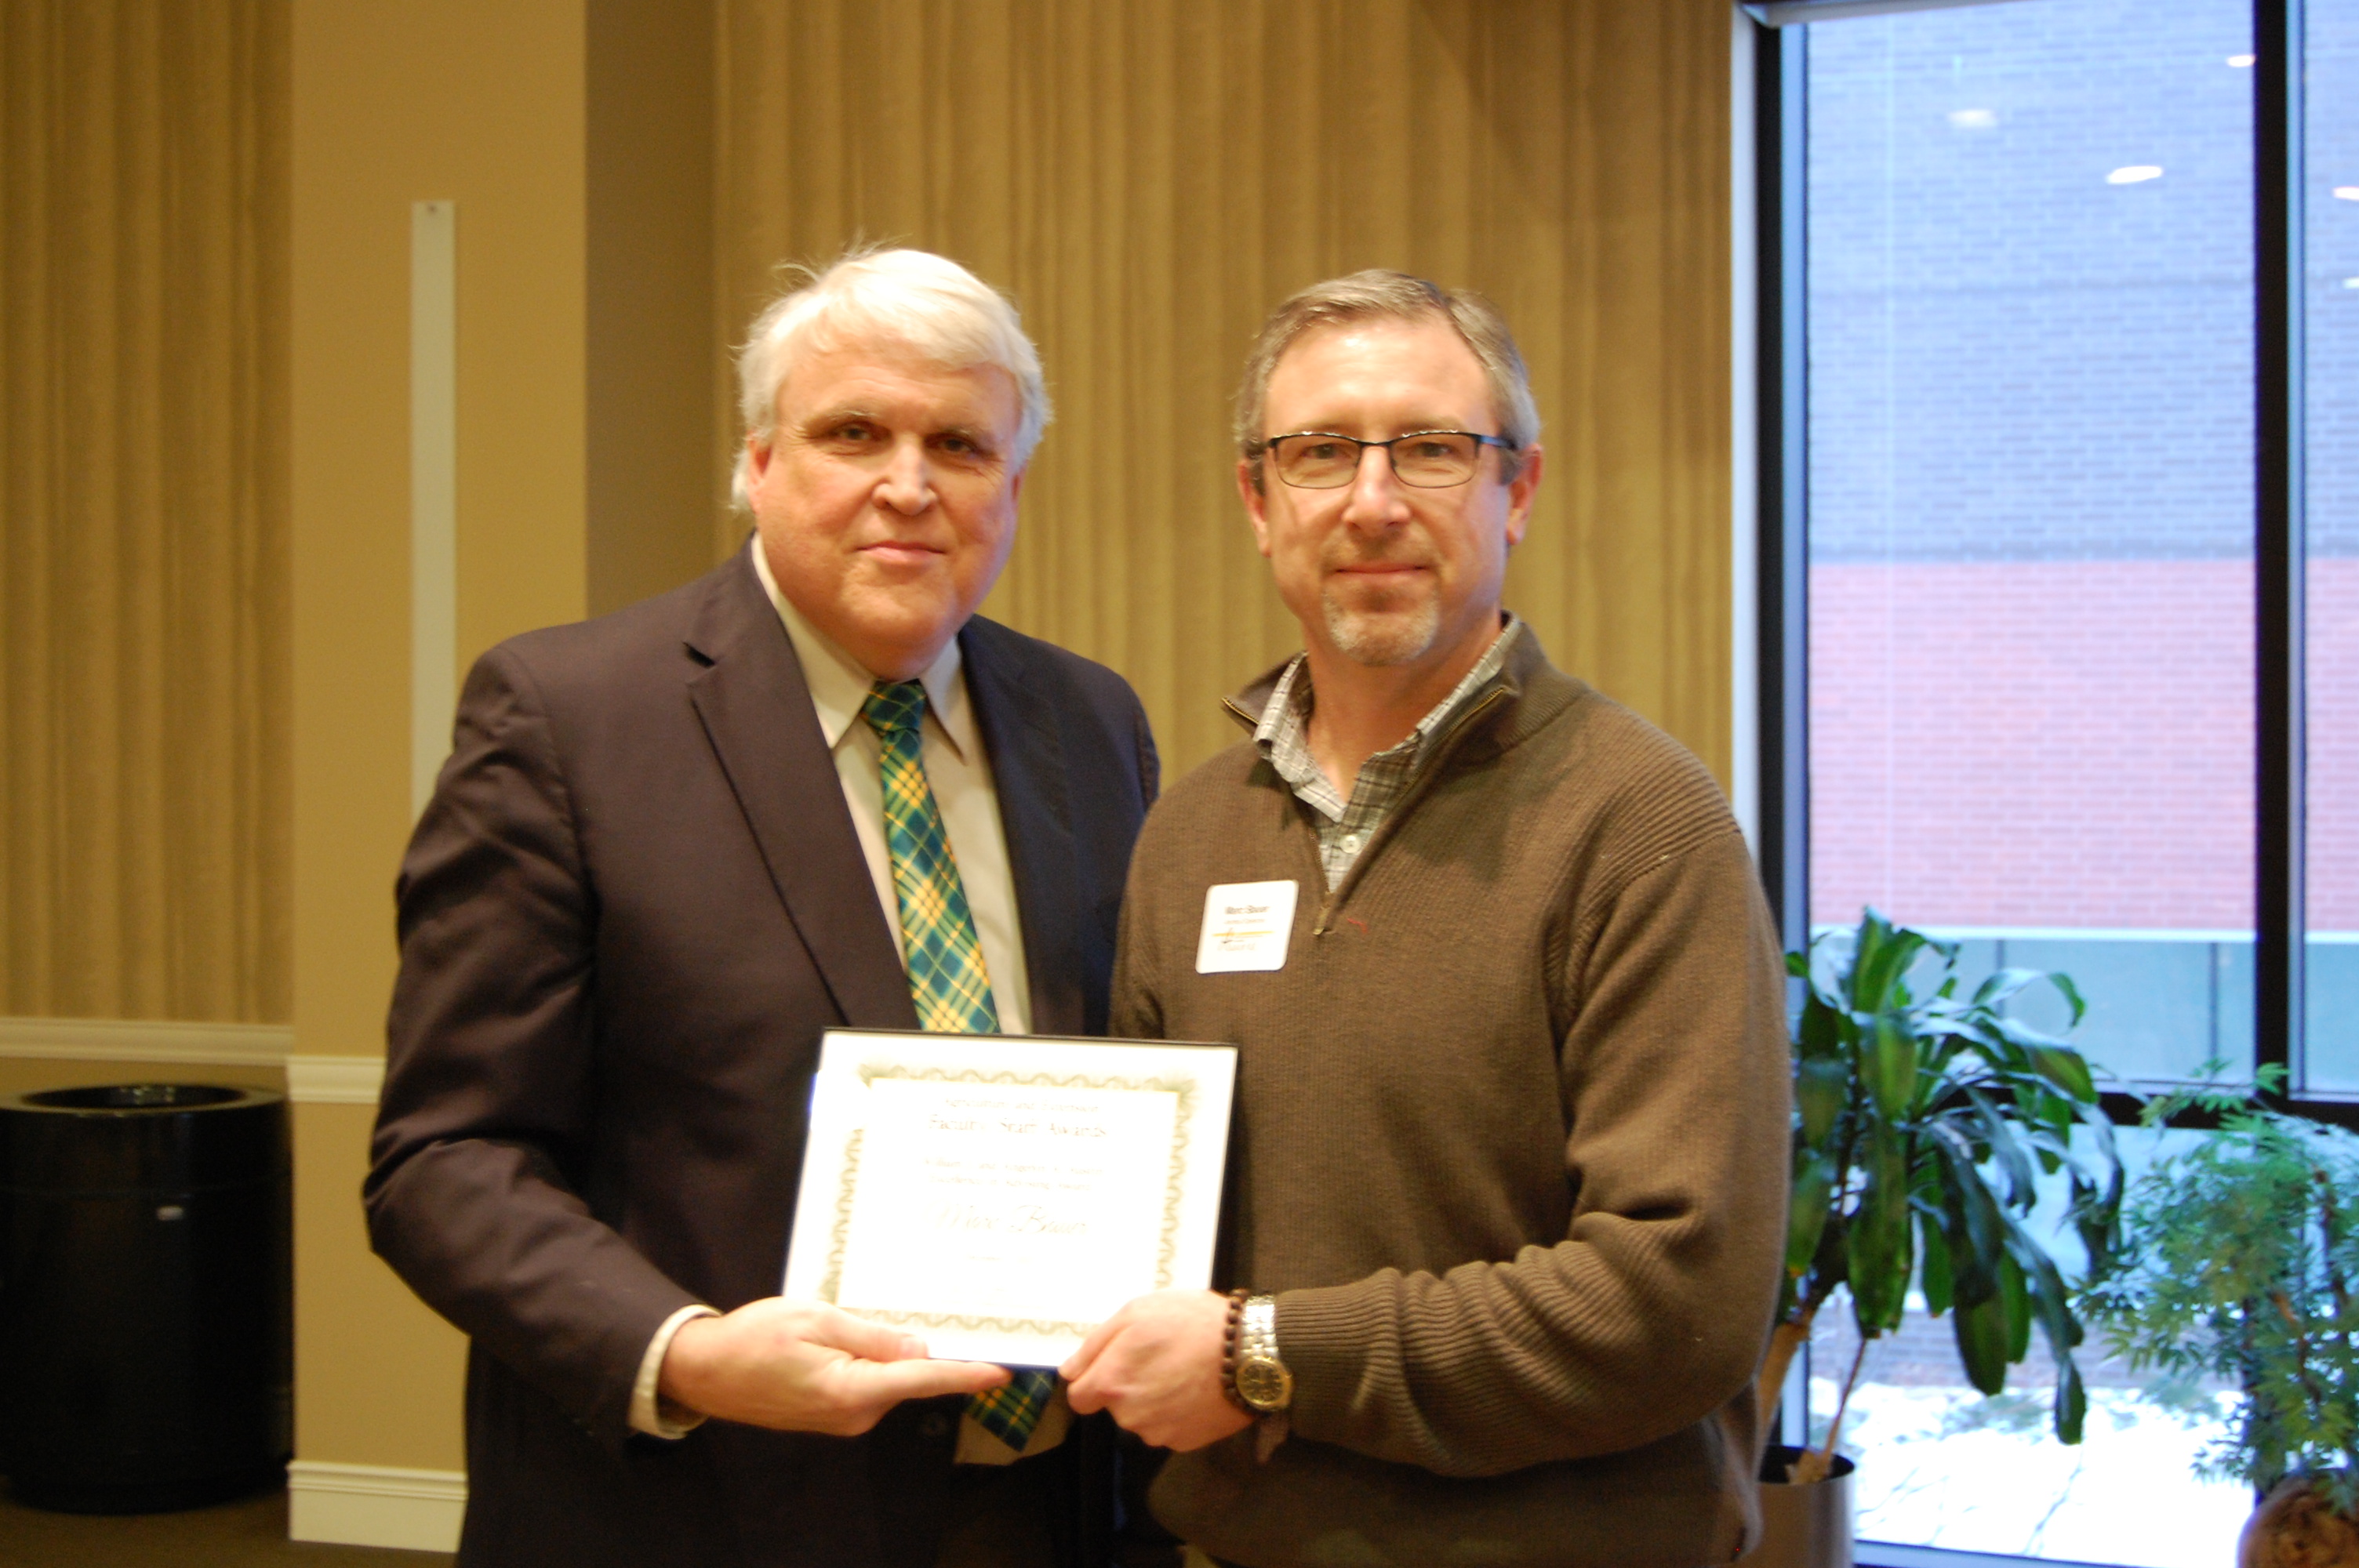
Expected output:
(1261, 1382)
(1229, 1332)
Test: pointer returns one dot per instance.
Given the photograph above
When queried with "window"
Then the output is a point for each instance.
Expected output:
(2329, 268)
(2061, 600)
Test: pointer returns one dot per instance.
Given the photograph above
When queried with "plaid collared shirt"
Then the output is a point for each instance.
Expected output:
(1345, 825)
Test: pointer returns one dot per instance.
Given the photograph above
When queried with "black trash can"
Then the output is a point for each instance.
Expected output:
(145, 1344)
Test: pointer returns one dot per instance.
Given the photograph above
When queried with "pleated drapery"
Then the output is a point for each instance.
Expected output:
(144, 764)
(1148, 178)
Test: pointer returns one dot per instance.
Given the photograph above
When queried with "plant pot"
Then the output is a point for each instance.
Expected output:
(1806, 1526)
(2295, 1527)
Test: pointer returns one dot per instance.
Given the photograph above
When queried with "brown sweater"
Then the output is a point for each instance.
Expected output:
(1510, 1145)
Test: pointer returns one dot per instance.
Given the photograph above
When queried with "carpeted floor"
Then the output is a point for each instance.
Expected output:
(227, 1535)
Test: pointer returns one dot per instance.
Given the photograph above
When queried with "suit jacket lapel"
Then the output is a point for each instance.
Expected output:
(756, 711)
(1028, 771)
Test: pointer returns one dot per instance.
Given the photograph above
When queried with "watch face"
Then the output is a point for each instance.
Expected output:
(1264, 1384)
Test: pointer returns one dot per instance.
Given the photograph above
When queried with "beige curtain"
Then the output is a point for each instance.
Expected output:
(1149, 177)
(143, 570)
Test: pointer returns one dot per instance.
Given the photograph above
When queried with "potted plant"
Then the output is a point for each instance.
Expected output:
(1922, 1121)
(2238, 1260)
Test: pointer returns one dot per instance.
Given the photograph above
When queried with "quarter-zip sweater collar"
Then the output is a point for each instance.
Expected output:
(1345, 826)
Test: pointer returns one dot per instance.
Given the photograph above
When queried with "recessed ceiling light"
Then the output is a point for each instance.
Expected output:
(2351, 282)
(2241, 60)
(1974, 119)
(2135, 173)
(2346, 193)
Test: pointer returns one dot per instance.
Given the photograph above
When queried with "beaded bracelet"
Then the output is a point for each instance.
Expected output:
(1229, 1333)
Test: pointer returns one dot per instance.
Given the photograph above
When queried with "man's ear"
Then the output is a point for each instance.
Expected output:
(1520, 490)
(1255, 503)
(758, 451)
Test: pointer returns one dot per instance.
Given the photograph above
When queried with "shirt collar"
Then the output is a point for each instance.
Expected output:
(840, 684)
(1284, 734)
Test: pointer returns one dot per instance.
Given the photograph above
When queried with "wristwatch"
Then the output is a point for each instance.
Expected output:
(1262, 1381)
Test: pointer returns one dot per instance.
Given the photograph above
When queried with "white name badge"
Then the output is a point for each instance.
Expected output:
(1246, 925)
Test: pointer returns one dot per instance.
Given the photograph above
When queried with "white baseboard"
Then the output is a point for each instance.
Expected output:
(146, 1040)
(374, 1504)
(334, 1080)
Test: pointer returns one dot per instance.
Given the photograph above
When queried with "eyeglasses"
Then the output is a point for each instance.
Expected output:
(1428, 460)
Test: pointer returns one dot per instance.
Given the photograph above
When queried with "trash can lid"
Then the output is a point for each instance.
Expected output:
(140, 1137)
(141, 1096)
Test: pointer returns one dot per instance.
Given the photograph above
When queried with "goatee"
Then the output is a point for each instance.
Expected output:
(1382, 637)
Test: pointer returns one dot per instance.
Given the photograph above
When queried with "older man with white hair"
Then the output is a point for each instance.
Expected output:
(672, 847)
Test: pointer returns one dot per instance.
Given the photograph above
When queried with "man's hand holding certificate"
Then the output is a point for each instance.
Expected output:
(807, 1367)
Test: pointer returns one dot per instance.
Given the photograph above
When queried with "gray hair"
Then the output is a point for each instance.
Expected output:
(1380, 294)
(940, 310)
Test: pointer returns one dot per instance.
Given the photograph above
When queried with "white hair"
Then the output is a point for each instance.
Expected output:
(936, 307)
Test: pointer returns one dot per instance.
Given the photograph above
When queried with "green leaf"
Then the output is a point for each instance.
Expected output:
(1798, 964)
(2022, 1188)
(2064, 1068)
(2002, 985)
(2071, 1401)
(2063, 983)
(1980, 1330)
(1883, 958)
(1820, 1037)
(1830, 966)
(2005, 985)
(2096, 1209)
(2012, 1290)
(2047, 1292)
(1814, 1181)
(1888, 1062)
(1822, 1086)
(1975, 1227)
(1881, 1256)
(2056, 1115)
(2024, 1037)
(1933, 1269)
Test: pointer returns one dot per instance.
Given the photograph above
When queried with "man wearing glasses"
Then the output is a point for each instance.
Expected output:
(1506, 1191)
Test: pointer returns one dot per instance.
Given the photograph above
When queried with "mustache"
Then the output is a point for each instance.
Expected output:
(1344, 551)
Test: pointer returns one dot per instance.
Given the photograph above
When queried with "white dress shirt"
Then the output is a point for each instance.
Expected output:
(958, 770)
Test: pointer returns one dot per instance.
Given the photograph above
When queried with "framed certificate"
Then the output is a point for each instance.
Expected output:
(999, 1195)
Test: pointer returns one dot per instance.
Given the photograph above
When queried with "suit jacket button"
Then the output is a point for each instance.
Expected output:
(936, 1426)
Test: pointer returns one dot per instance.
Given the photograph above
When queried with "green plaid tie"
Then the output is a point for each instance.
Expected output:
(946, 979)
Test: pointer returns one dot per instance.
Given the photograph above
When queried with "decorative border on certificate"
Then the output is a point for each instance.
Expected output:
(1137, 1244)
(1167, 1248)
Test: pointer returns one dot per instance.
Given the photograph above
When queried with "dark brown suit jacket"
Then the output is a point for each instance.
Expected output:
(632, 907)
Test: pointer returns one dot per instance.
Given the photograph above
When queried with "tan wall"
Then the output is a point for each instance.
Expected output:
(144, 848)
(652, 495)
(574, 137)
(398, 101)
(1148, 178)
(377, 1377)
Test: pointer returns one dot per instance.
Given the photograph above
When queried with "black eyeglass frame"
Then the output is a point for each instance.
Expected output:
(1268, 444)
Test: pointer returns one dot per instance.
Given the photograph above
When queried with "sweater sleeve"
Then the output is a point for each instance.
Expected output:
(1653, 1310)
